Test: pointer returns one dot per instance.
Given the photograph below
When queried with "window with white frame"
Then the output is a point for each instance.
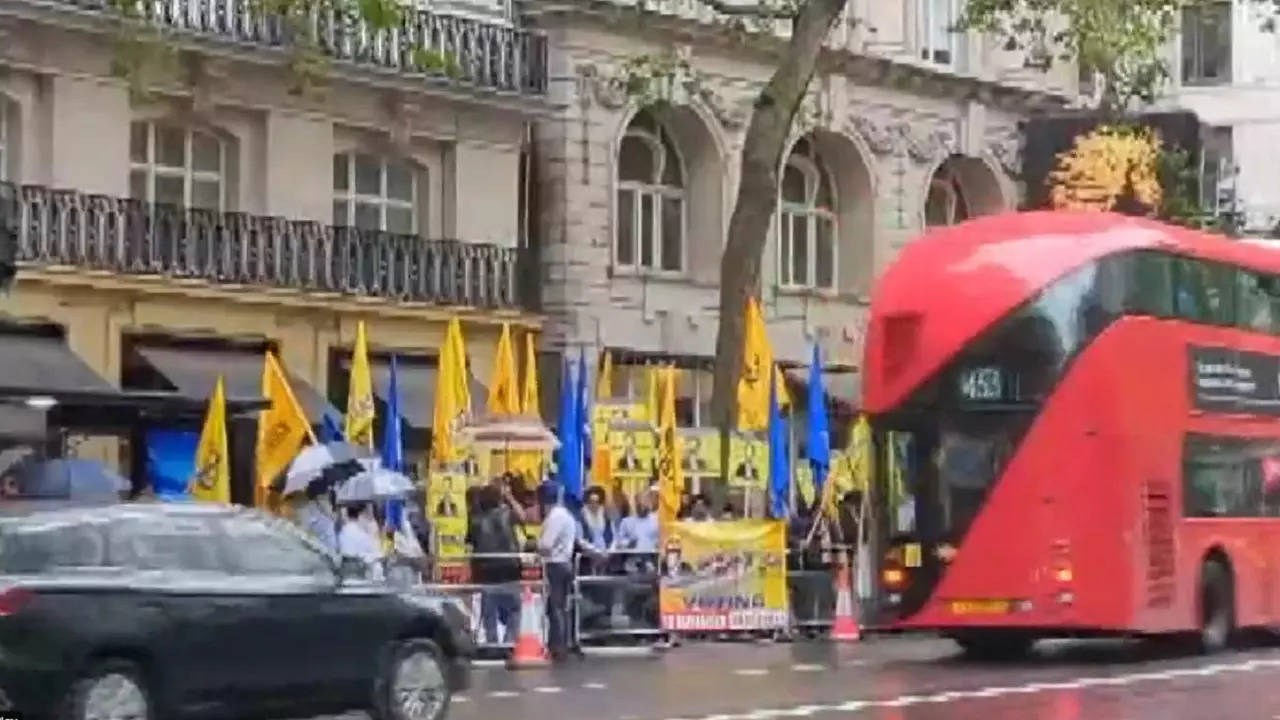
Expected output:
(1206, 44)
(175, 165)
(807, 222)
(936, 30)
(651, 199)
(375, 193)
(946, 203)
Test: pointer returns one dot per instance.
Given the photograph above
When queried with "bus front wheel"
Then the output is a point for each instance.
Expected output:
(1217, 607)
(995, 646)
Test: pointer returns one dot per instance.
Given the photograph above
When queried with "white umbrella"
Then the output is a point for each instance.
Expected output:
(371, 485)
(311, 463)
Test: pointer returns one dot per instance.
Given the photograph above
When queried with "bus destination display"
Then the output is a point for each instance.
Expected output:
(1227, 380)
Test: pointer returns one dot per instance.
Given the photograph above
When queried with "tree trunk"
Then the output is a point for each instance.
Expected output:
(757, 199)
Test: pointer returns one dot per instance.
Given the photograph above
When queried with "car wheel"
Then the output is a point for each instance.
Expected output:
(414, 684)
(1217, 607)
(112, 690)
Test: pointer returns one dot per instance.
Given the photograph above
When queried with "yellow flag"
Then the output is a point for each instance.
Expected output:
(604, 383)
(212, 481)
(360, 410)
(757, 367)
(651, 397)
(670, 473)
(504, 384)
(861, 454)
(282, 427)
(530, 404)
(453, 394)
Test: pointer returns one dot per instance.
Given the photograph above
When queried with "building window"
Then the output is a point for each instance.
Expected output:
(807, 227)
(1206, 44)
(373, 193)
(651, 199)
(946, 203)
(172, 165)
(1217, 171)
(936, 30)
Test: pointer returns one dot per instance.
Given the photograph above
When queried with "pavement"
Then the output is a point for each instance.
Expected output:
(887, 679)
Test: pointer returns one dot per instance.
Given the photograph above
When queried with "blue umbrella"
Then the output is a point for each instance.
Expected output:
(331, 429)
(819, 431)
(779, 462)
(69, 479)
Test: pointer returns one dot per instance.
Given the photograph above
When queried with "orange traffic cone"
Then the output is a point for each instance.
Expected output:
(530, 651)
(845, 627)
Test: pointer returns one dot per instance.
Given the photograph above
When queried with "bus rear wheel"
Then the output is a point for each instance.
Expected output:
(1217, 607)
(995, 645)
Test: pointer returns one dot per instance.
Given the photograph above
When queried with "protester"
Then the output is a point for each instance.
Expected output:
(492, 537)
(358, 540)
(318, 518)
(556, 545)
(639, 533)
(700, 510)
(596, 524)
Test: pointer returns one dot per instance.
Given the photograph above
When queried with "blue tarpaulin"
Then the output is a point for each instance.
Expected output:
(171, 460)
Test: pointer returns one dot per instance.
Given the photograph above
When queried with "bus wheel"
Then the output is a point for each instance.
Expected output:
(995, 646)
(1217, 607)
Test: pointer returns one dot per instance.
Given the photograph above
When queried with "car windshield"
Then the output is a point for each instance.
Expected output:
(33, 546)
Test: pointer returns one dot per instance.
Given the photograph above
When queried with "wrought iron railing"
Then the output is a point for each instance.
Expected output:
(466, 51)
(61, 228)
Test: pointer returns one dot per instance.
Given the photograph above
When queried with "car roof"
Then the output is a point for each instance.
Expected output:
(70, 512)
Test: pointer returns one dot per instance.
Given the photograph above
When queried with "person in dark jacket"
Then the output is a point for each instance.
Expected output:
(492, 536)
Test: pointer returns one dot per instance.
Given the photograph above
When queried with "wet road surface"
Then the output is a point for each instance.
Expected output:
(887, 679)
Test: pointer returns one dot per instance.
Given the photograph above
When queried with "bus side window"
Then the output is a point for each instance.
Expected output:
(1204, 292)
(1149, 285)
(1259, 302)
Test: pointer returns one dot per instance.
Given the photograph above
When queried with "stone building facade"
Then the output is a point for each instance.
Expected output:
(906, 125)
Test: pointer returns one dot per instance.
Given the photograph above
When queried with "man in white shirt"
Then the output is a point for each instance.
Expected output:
(639, 533)
(559, 538)
(358, 539)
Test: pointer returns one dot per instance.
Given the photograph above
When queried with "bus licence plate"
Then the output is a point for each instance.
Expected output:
(980, 607)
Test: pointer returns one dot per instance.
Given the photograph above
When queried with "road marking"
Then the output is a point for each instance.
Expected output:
(594, 686)
(802, 667)
(753, 672)
(504, 694)
(547, 689)
(461, 699)
(852, 706)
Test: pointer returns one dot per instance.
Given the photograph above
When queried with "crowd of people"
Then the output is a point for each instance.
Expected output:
(381, 541)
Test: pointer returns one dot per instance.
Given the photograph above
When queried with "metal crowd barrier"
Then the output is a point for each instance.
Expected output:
(811, 582)
(615, 598)
(492, 608)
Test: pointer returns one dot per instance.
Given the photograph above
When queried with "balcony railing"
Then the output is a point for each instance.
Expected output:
(59, 228)
(467, 51)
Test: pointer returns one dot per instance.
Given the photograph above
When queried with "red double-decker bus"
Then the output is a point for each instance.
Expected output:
(1079, 421)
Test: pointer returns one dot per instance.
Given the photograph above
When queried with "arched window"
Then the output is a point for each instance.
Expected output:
(175, 165)
(946, 203)
(375, 193)
(651, 199)
(807, 222)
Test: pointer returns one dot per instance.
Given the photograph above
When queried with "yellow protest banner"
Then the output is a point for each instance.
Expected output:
(633, 451)
(701, 452)
(605, 415)
(724, 576)
(447, 512)
(748, 461)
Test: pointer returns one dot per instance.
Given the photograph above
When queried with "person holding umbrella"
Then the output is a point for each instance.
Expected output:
(358, 540)
(317, 517)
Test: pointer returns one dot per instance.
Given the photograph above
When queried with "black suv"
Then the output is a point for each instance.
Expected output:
(154, 611)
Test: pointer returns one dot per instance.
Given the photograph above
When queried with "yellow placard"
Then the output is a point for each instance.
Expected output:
(632, 452)
(605, 415)
(447, 511)
(724, 576)
(748, 462)
(701, 452)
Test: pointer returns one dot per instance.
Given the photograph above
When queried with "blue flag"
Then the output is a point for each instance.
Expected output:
(331, 429)
(569, 458)
(819, 441)
(583, 417)
(779, 461)
(392, 440)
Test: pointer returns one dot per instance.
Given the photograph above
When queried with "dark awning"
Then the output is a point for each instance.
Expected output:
(193, 374)
(44, 364)
(416, 381)
(843, 386)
